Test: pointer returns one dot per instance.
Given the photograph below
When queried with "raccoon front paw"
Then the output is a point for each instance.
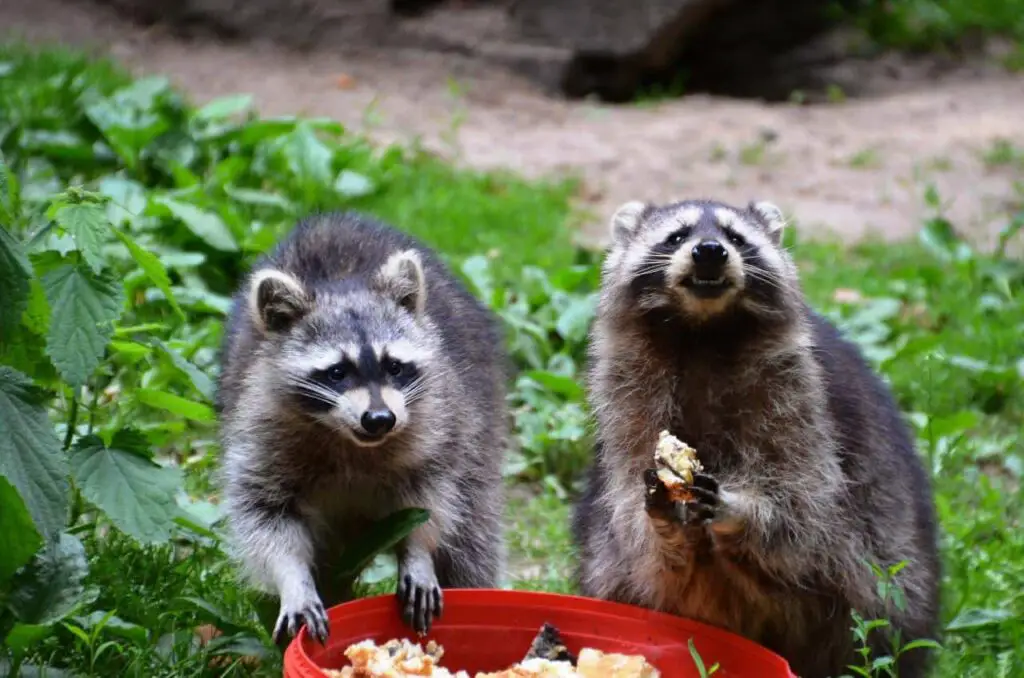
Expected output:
(700, 506)
(704, 502)
(309, 611)
(420, 597)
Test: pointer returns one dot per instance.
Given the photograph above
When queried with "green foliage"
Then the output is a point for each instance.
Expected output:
(936, 24)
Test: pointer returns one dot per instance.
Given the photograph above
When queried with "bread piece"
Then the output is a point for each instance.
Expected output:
(596, 664)
(676, 462)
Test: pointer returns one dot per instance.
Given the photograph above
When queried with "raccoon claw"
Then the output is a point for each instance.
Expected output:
(656, 499)
(421, 601)
(705, 499)
(312, 615)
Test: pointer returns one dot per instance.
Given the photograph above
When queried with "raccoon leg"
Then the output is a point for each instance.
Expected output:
(419, 592)
(278, 548)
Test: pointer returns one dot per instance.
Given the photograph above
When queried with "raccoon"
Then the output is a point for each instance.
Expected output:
(809, 469)
(359, 377)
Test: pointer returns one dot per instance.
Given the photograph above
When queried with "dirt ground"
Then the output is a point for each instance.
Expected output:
(847, 168)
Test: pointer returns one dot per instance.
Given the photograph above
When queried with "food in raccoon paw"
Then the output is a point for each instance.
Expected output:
(676, 462)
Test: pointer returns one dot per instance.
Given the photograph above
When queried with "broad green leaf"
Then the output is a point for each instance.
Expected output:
(974, 618)
(30, 455)
(206, 225)
(308, 157)
(84, 307)
(199, 379)
(24, 636)
(50, 587)
(380, 537)
(21, 539)
(114, 625)
(127, 199)
(87, 224)
(262, 198)
(15, 277)
(574, 321)
(353, 185)
(152, 267)
(137, 494)
(224, 107)
(176, 405)
(10, 194)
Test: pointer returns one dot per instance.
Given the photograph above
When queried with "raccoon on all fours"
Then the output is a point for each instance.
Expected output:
(360, 377)
(809, 469)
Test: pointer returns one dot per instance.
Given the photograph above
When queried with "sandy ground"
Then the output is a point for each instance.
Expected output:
(848, 168)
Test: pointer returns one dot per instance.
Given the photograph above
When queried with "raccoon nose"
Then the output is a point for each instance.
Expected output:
(709, 253)
(378, 422)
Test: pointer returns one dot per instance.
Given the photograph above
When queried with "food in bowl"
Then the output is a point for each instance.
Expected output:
(676, 462)
(547, 657)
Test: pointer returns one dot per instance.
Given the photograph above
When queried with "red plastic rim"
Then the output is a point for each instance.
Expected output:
(490, 629)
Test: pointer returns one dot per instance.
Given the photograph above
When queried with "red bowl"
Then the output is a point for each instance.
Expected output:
(490, 629)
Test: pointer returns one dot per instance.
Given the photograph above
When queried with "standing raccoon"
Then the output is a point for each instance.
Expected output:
(360, 377)
(808, 467)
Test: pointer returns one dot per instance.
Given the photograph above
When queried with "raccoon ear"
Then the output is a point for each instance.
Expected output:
(401, 277)
(276, 299)
(626, 219)
(771, 218)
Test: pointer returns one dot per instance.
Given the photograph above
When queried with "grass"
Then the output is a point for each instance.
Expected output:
(205, 191)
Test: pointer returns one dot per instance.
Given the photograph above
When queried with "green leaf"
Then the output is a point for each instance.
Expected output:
(50, 588)
(15, 277)
(21, 539)
(87, 224)
(24, 636)
(30, 454)
(199, 379)
(207, 226)
(972, 619)
(84, 307)
(353, 185)
(114, 625)
(574, 321)
(382, 536)
(308, 157)
(152, 267)
(224, 107)
(137, 494)
(176, 405)
(10, 194)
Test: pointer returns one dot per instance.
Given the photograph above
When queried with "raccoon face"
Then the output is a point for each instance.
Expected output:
(701, 258)
(356, 355)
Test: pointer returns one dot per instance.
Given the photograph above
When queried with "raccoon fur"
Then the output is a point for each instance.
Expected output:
(360, 377)
(809, 468)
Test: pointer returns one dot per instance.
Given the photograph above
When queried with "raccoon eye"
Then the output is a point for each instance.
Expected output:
(394, 368)
(337, 373)
(677, 237)
(735, 238)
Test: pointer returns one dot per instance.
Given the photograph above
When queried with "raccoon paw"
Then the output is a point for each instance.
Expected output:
(293, 615)
(705, 501)
(420, 597)
(656, 499)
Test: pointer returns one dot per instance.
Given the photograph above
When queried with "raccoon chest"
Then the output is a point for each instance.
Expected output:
(709, 590)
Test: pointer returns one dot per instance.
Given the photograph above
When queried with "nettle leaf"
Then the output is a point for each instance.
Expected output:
(51, 588)
(21, 539)
(153, 268)
(176, 405)
(208, 226)
(382, 536)
(84, 307)
(224, 107)
(353, 184)
(10, 194)
(137, 494)
(87, 223)
(15, 277)
(30, 454)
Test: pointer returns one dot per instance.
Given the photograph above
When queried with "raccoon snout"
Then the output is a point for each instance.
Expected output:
(709, 256)
(378, 422)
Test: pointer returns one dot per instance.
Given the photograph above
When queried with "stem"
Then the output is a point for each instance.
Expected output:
(72, 422)
(92, 408)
